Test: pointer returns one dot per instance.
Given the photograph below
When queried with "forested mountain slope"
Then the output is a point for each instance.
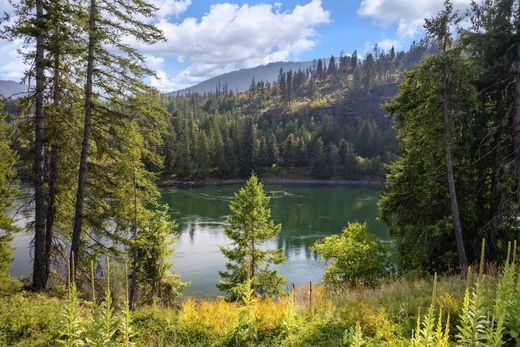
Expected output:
(323, 121)
(240, 80)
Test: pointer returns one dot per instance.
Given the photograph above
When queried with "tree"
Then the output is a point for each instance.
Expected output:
(7, 194)
(353, 257)
(439, 29)
(333, 68)
(115, 74)
(250, 226)
(150, 250)
(430, 107)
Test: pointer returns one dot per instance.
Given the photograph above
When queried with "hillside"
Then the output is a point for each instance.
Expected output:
(241, 80)
(12, 89)
(324, 122)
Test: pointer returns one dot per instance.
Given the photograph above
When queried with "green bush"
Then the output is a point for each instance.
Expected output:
(353, 257)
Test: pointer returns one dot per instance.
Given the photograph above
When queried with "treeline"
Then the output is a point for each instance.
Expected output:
(307, 123)
(87, 137)
(458, 123)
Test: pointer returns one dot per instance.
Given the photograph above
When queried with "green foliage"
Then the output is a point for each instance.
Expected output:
(474, 72)
(150, 250)
(250, 226)
(71, 332)
(355, 256)
(7, 193)
(281, 123)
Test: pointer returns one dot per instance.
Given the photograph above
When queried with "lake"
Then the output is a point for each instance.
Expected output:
(307, 213)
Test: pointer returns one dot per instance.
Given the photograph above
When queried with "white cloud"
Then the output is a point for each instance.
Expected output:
(232, 36)
(171, 8)
(162, 82)
(408, 15)
(386, 44)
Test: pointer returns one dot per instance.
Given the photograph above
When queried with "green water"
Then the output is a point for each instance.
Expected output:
(307, 213)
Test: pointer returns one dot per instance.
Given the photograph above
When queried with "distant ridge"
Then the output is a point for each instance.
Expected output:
(240, 80)
(12, 89)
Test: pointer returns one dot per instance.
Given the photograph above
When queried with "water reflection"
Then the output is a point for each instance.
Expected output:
(307, 213)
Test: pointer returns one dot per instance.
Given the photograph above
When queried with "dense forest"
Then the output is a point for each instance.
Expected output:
(441, 122)
(323, 122)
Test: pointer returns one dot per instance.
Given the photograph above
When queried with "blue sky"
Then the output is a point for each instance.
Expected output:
(206, 38)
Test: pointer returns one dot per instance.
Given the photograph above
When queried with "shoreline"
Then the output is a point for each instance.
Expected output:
(168, 182)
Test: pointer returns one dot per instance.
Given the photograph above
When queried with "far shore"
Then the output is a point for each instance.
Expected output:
(173, 182)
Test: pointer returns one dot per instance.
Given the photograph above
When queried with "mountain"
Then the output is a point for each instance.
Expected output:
(241, 80)
(12, 89)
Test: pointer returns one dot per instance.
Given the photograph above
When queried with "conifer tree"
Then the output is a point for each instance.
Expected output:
(439, 29)
(250, 226)
(114, 71)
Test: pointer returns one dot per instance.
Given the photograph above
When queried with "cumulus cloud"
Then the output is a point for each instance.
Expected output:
(408, 15)
(232, 36)
(171, 8)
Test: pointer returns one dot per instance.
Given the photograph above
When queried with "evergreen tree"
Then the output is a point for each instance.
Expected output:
(333, 68)
(426, 99)
(115, 74)
(320, 70)
(251, 226)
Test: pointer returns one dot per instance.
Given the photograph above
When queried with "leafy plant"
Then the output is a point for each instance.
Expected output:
(354, 256)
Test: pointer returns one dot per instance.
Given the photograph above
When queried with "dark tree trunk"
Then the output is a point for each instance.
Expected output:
(39, 267)
(82, 174)
(53, 173)
(463, 261)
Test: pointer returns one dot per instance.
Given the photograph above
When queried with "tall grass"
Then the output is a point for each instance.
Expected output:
(96, 326)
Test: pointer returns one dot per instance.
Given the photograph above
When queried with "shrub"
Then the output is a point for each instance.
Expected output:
(354, 256)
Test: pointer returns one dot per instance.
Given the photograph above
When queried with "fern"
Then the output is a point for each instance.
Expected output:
(503, 302)
(473, 323)
(353, 337)
(512, 320)
(425, 335)
(72, 330)
(442, 332)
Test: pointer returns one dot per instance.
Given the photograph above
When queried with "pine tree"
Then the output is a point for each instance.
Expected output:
(333, 68)
(115, 74)
(439, 29)
(250, 226)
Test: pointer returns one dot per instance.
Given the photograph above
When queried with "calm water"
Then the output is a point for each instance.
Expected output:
(307, 213)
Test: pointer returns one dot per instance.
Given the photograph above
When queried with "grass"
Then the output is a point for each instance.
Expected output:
(480, 309)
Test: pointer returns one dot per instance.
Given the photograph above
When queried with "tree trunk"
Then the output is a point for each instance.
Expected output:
(463, 261)
(82, 175)
(516, 127)
(133, 282)
(38, 168)
(53, 173)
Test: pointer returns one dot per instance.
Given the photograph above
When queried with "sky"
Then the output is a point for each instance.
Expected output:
(205, 38)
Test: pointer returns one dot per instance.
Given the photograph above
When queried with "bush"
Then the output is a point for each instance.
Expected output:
(353, 257)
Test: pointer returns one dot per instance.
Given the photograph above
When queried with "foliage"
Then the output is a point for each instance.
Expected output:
(7, 194)
(224, 134)
(248, 267)
(389, 315)
(475, 73)
(150, 250)
(353, 257)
